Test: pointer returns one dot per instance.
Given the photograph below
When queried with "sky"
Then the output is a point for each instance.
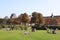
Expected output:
(45, 7)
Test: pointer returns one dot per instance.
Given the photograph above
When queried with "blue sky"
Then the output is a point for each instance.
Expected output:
(46, 7)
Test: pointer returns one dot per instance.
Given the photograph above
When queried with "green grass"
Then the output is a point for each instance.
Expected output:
(18, 35)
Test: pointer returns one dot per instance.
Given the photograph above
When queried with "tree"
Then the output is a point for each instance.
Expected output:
(1, 20)
(25, 18)
(6, 20)
(13, 15)
(20, 18)
(11, 21)
(12, 18)
(17, 21)
(37, 18)
(41, 18)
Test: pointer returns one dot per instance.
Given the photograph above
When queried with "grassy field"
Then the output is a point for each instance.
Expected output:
(18, 35)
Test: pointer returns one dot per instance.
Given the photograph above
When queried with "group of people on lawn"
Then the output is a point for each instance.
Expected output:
(51, 30)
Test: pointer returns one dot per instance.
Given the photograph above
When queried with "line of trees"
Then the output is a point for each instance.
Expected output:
(25, 19)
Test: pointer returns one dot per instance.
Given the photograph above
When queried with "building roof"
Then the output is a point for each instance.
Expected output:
(53, 16)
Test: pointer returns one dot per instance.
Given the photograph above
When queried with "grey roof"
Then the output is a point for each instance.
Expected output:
(53, 16)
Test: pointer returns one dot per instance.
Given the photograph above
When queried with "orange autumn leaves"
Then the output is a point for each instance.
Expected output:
(24, 18)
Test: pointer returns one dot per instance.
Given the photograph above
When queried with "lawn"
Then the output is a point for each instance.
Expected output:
(18, 35)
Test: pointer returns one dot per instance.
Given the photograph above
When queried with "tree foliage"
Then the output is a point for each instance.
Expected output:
(25, 18)
(12, 19)
(13, 15)
(37, 18)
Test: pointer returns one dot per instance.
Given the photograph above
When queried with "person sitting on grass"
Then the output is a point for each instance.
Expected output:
(25, 32)
(8, 28)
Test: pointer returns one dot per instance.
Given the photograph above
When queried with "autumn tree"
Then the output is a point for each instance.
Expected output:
(34, 18)
(18, 20)
(25, 18)
(37, 18)
(12, 18)
(41, 18)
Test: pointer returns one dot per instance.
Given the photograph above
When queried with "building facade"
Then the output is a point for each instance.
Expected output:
(52, 20)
